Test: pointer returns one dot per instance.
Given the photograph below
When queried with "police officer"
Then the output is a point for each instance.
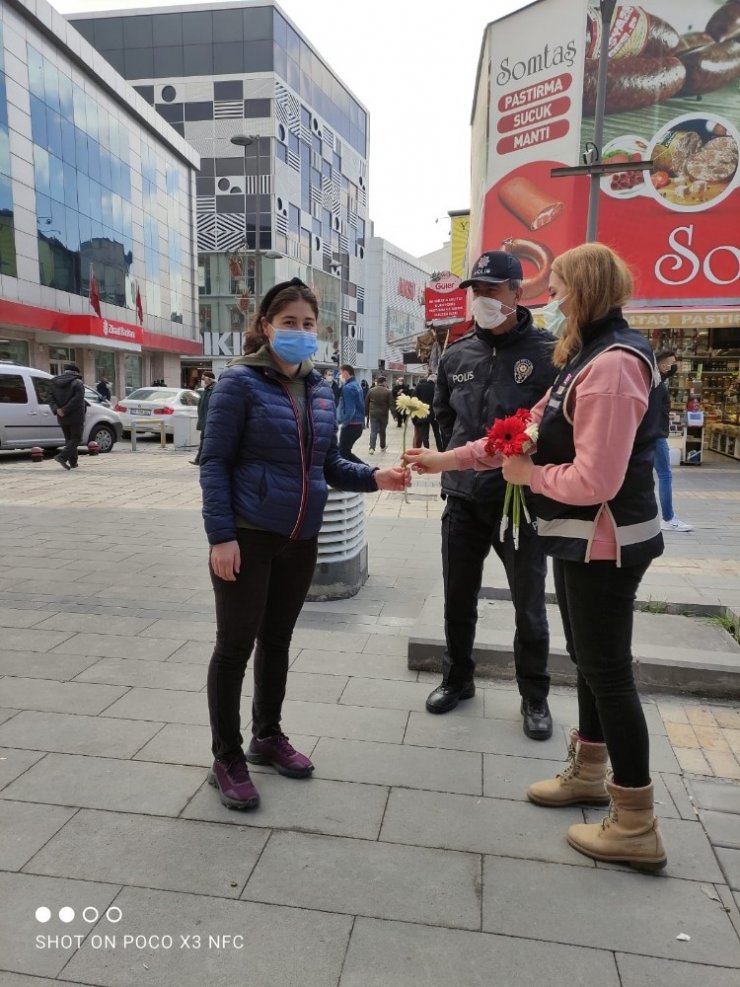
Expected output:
(502, 364)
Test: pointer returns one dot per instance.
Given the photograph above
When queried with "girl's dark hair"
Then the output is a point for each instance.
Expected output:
(272, 304)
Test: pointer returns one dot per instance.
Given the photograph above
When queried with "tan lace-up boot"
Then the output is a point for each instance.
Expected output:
(628, 835)
(583, 780)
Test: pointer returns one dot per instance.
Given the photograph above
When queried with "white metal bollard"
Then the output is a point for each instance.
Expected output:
(341, 568)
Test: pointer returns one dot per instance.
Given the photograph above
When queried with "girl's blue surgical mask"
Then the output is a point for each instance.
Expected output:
(294, 345)
(554, 317)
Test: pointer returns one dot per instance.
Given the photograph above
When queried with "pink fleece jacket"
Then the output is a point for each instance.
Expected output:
(606, 405)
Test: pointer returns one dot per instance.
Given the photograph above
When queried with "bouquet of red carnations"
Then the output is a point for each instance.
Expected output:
(513, 436)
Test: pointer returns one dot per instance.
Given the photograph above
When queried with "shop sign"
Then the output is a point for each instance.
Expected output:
(671, 97)
(444, 298)
(222, 343)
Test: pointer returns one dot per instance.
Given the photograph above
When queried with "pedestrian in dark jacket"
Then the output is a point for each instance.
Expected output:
(425, 392)
(68, 404)
(350, 413)
(269, 453)
(502, 365)
(103, 388)
(377, 409)
(208, 379)
(398, 388)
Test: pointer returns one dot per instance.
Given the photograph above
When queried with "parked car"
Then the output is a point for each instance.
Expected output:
(157, 403)
(26, 420)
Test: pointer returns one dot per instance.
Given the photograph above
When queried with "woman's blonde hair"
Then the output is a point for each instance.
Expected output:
(597, 280)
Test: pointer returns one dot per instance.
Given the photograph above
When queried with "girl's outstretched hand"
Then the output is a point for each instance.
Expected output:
(393, 478)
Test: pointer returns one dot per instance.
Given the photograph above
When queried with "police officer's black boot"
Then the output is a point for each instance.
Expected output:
(446, 696)
(537, 721)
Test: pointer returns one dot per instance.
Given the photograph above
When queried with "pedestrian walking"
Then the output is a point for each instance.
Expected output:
(269, 452)
(503, 364)
(399, 388)
(594, 498)
(667, 365)
(377, 412)
(350, 413)
(424, 391)
(68, 404)
(103, 388)
(207, 380)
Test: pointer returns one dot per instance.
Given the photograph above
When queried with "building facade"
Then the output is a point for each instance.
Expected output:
(395, 305)
(297, 190)
(93, 185)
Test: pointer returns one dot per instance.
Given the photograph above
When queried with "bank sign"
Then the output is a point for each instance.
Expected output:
(671, 97)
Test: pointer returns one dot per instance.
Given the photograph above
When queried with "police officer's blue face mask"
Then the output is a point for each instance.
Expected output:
(294, 345)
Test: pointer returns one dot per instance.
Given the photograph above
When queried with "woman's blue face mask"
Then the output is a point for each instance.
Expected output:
(294, 345)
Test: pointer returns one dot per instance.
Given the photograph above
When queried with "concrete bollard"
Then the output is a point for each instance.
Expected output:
(341, 568)
(92, 448)
(37, 454)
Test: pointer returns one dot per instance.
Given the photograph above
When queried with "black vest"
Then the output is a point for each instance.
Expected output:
(567, 531)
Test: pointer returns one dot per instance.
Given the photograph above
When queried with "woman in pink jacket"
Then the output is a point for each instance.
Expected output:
(592, 480)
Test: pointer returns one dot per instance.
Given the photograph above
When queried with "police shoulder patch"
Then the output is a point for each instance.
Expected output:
(522, 370)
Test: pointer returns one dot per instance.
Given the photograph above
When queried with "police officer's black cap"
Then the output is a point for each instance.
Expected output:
(493, 267)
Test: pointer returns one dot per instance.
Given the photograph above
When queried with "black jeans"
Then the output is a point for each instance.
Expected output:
(469, 531)
(72, 438)
(596, 603)
(262, 605)
(348, 435)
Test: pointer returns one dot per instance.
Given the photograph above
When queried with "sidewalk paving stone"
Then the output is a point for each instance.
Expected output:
(480, 825)
(143, 674)
(476, 733)
(367, 666)
(644, 971)
(161, 705)
(89, 621)
(308, 805)
(348, 722)
(387, 694)
(150, 852)
(283, 947)
(18, 927)
(13, 617)
(723, 828)
(65, 733)
(27, 827)
(43, 665)
(603, 908)
(391, 954)
(398, 765)
(380, 880)
(117, 646)
(730, 863)
(178, 743)
(26, 639)
(107, 783)
(49, 696)
(14, 762)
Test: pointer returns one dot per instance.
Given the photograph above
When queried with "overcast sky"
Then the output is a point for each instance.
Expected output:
(412, 63)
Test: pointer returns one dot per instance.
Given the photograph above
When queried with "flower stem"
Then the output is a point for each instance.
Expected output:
(505, 512)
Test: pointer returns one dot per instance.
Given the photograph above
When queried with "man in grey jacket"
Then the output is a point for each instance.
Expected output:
(68, 404)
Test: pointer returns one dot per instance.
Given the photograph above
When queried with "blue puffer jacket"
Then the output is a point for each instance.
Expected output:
(351, 410)
(253, 463)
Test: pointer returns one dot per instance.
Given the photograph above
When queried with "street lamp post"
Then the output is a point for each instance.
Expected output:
(244, 141)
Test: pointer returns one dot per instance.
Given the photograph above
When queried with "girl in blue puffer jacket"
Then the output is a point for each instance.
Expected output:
(269, 452)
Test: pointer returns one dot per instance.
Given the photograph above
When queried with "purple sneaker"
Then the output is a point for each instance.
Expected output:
(280, 753)
(234, 785)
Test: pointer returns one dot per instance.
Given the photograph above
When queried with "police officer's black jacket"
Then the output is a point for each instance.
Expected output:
(483, 377)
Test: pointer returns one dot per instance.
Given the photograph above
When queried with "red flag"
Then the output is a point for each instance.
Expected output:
(94, 292)
(139, 306)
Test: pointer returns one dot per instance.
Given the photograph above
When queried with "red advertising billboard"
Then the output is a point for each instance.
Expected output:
(444, 299)
(672, 97)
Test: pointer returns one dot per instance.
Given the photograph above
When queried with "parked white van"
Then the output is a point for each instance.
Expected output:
(26, 420)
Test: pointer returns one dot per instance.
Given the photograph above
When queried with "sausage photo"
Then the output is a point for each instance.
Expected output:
(633, 83)
(725, 22)
(533, 207)
(536, 254)
(711, 68)
(634, 32)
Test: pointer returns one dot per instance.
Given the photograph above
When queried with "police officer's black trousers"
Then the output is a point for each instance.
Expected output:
(469, 531)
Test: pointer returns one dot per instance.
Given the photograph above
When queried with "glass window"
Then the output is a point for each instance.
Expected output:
(51, 85)
(105, 365)
(137, 31)
(132, 371)
(44, 390)
(41, 169)
(138, 63)
(69, 151)
(54, 132)
(15, 351)
(109, 32)
(280, 29)
(254, 108)
(56, 178)
(12, 389)
(171, 112)
(228, 25)
(197, 27)
(199, 111)
(198, 59)
(279, 60)
(166, 30)
(70, 186)
(228, 57)
(35, 73)
(38, 121)
(170, 63)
